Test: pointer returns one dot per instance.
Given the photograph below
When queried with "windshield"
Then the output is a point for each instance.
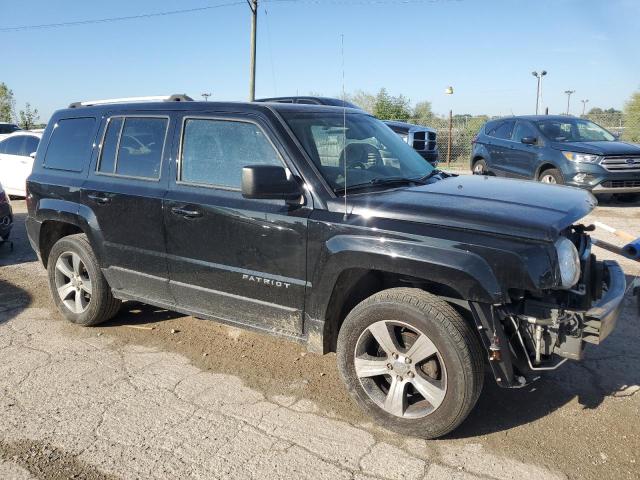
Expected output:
(574, 130)
(372, 152)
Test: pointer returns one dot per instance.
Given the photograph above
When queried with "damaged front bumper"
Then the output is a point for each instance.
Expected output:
(533, 335)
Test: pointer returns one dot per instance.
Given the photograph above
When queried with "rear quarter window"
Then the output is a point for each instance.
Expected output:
(70, 144)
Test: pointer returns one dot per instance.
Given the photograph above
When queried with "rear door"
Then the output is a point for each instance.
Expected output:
(234, 259)
(124, 190)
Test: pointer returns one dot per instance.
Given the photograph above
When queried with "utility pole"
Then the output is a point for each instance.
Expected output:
(253, 5)
(569, 93)
(584, 105)
(539, 90)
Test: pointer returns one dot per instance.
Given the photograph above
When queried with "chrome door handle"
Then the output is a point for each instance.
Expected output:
(184, 212)
(99, 200)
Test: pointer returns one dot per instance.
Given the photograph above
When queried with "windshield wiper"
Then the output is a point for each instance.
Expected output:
(381, 181)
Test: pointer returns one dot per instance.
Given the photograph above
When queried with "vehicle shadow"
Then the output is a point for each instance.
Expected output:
(608, 200)
(18, 250)
(611, 369)
(13, 300)
(140, 314)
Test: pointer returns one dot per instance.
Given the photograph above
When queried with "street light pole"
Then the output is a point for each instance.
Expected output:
(449, 91)
(569, 93)
(584, 105)
(206, 96)
(253, 5)
(539, 89)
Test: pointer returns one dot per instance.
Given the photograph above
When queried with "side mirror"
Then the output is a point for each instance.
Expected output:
(529, 140)
(33, 155)
(268, 182)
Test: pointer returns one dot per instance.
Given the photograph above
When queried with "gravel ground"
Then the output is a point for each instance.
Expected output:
(153, 394)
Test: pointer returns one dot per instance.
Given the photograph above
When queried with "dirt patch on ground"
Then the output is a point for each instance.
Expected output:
(47, 462)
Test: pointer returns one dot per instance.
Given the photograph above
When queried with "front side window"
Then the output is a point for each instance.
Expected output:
(523, 130)
(574, 130)
(70, 144)
(214, 151)
(133, 147)
(13, 145)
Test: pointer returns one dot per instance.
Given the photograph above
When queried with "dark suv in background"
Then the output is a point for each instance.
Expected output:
(421, 138)
(557, 149)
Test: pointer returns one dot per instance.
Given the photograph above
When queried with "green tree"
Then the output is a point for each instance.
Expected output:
(364, 100)
(609, 118)
(422, 113)
(6, 103)
(28, 117)
(632, 119)
(388, 107)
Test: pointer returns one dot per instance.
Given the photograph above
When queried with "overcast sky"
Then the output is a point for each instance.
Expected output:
(485, 49)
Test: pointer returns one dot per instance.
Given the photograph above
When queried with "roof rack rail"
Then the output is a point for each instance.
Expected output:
(161, 98)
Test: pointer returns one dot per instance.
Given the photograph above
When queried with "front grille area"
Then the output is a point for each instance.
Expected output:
(621, 163)
(621, 183)
(419, 140)
(424, 141)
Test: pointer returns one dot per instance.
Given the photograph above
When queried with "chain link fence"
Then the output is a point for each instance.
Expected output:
(464, 128)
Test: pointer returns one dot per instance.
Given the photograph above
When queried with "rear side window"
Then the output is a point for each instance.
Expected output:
(70, 144)
(214, 151)
(133, 146)
(30, 145)
(502, 130)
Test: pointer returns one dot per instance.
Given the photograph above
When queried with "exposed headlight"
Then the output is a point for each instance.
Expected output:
(581, 157)
(568, 262)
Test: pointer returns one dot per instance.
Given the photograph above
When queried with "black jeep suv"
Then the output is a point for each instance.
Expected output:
(557, 149)
(326, 230)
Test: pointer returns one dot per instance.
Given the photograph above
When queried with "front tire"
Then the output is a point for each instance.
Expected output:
(77, 285)
(411, 361)
(551, 176)
(480, 167)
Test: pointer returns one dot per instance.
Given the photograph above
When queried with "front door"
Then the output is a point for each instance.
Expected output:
(235, 259)
(523, 157)
(124, 190)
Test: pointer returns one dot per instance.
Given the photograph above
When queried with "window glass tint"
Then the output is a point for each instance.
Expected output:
(13, 145)
(109, 146)
(70, 144)
(306, 101)
(30, 145)
(8, 128)
(214, 151)
(502, 130)
(141, 144)
(523, 130)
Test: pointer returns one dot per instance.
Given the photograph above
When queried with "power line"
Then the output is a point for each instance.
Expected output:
(118, 19)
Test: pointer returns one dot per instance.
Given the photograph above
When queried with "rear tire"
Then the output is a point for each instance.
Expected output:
(77, 285)
(551, 176)
(430, 383)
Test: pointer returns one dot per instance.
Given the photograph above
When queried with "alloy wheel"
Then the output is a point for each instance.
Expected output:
(72, 282)
(400, 369)
(548, 179)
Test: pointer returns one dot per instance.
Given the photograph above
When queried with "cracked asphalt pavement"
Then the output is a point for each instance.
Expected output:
(153, 394)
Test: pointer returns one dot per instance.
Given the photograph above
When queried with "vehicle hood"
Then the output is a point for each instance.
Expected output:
(487, 204)
(599, 148)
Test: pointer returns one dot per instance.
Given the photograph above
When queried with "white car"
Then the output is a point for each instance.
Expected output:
(17, 152)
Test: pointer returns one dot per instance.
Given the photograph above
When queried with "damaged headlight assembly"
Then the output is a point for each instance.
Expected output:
(568, 262)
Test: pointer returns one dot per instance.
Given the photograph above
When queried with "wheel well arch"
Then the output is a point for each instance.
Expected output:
(356, 284)
(545, 166)
(50, 232)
